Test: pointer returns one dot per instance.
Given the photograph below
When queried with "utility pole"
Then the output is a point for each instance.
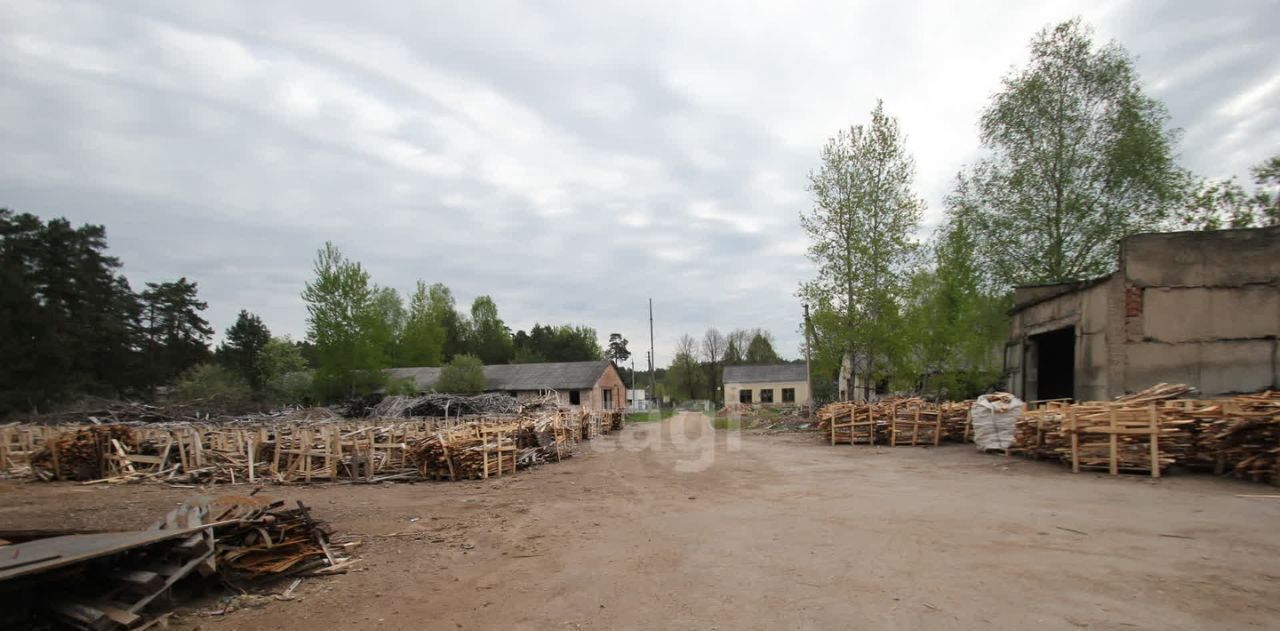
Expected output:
(653, 358)
(808, 360)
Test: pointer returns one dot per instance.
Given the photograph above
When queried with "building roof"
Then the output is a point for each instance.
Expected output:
(767, 373)
(1027, 296)
(550, 375)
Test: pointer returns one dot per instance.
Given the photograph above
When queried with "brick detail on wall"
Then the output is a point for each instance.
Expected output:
(1133, 302)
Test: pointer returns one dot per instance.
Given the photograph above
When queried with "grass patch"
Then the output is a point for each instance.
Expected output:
(724, 422)
(648, 416)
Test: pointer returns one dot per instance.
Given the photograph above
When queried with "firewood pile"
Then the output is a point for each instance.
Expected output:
(1122, 436)
(81, 454)
(955, 420)
(614, 420)
(1146, 431)
(1038, 433)
(913, 422)
(1240, 437)
(552, 437)
(476, 450)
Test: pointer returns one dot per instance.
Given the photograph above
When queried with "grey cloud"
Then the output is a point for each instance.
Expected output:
(569, 159)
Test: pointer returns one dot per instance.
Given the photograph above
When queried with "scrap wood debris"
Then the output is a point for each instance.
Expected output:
(306, 445)
(118, 580)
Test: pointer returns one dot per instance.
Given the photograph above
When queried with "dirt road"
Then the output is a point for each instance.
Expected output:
(675, 526)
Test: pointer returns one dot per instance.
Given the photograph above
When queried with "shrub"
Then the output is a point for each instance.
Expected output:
(463, 375)
(205, 381)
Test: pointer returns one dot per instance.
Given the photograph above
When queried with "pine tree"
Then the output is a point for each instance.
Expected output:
(242, 350)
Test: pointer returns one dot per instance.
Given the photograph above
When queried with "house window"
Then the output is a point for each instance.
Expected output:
(766, 395)
(744, 395)
(575, 397)
(788, 395)
(608, 398)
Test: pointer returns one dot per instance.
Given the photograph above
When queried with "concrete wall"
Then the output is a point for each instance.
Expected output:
(1201, 308)
(1085, 311)
(733, 390)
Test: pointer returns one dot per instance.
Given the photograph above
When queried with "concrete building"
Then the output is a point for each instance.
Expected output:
(1201, 308)
(774, 384)
(594, 385)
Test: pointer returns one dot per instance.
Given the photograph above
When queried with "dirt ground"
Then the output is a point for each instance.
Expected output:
(675, 526)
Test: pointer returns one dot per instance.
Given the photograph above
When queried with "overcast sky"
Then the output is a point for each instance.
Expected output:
(570, 159)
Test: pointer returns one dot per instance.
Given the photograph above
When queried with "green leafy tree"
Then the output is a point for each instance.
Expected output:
(1217, 204)
(861, 228)
(760, 350)
(685, 379)
(444, 313)
(464, 374)
(955, 328)
(387, 318)
(563, 343)
(422, 338)
(1078, 158)
(208, 381)
(242, 350)
(489, 339)
(343, 322)
(285, 371)
(176, 335)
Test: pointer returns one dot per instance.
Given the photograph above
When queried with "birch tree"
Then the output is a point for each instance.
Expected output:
(860, 229)
(1078, 158)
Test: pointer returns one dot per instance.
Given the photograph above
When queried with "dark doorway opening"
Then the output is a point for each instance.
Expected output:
(1055, 364)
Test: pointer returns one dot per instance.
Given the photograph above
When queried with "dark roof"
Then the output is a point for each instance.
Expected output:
(759, 374)
(552, 375)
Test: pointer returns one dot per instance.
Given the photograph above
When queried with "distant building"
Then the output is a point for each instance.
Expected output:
(594, 385)
(1200, 308)
(636, 399)
(776, 384)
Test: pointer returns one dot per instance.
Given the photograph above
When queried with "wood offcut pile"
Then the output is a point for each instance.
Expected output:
(120, 580)
(305, 446)
(1151, 430)
(497, 446)
(1147, 431)
(895, 422)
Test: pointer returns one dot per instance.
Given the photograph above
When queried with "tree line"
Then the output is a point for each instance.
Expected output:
(1076, 156)
(71, 325)
(697, 368)
(359, 329)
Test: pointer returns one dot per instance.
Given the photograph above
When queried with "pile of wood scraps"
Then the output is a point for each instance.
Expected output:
(113, 580)
(1240, 436)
